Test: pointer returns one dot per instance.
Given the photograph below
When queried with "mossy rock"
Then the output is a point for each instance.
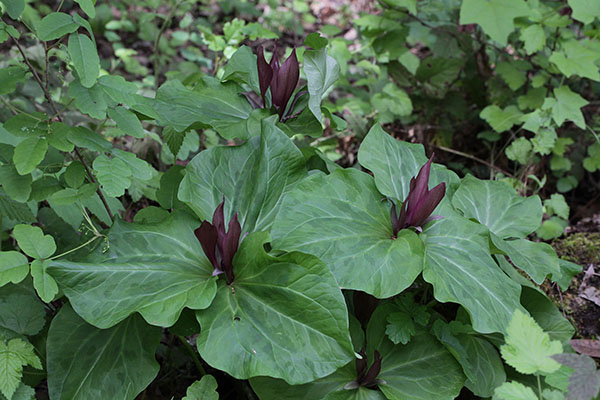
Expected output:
(582, 248)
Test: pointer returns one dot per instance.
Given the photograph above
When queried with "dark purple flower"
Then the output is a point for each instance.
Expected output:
(220, 246)
(366, 377)
(419, 203)
(281, 79)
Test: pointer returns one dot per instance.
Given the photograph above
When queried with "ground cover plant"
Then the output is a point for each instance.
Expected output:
(185, 231)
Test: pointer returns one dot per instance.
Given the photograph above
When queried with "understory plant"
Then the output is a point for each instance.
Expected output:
(279, 270)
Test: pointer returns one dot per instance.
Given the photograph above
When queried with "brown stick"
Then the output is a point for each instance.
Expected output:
(479, 160)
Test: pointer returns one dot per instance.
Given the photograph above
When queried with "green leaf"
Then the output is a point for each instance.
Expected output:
(494, 16)
(33, 242)
(218, 105)
(14, 267)
(479, 360)
(44, 284)
(141, 169)
(14, 8)
(568, 107)
(10, 77)
(75, 174)
(55, 25)
(233, 171)
(585, 10)
(58, 137)
(204, 389)
(155, 270)
(90, 101)
(127, 121)
(241, 67)
(23, 392)
(537, 259)
(394, 100)
(169, 186)
(12, 209)
(361, 393)
(514, 391)
(247, 329)
(534, 38)
(459, 266)
(513, 73)
(501, 120)
(528, 348)
(552, 228)
(85, 362)
(497, 206)
(173, 139)
(29, 153)
(547, 315)
(21, 312)
(315, 41)
(321, 72)
(84, 56)
(88, 7)
(113, 174)
(584, 382)
(342, 219)
(410, 5)
(544, 140)
(87, 139)
(577, 58)
(17, 187)
(13, 356)
(400, 327)
(520, 151)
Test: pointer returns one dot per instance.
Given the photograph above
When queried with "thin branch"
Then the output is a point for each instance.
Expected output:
(469, 156)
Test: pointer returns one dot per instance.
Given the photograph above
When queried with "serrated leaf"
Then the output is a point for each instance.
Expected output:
(44, 284)
(585, 10)
(173, 139)
(13, 356)
(127, 122)
(55, 25)
(528, 348)
(568, 107)
(547, 315)
(557, 205)
(577, 58)
(85, 362)
(161, 268)
(29, 154)
(14, 267)
(400, 327)
(534, 38)
(75, 174)
(113, 174)
(204, 389)
(140, 169)
(494, 16)
(501, 120)
(84, 56)
(23, 392)
(544, 140)
(514, 391)
(513, 73)
(33, 242)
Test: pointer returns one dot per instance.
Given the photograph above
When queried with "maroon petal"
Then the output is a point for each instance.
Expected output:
(361, 365)
(207, 236)
(286, 80)
(265, 73)
(428, 204)
(395, 222)
(422, 181)
(231, 245)
(374, 370)
(219, 223)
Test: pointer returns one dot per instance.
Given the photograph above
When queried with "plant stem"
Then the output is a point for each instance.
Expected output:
(460, 153)
(81, 246)
(192, 353)
(59, 117)
(539, 383)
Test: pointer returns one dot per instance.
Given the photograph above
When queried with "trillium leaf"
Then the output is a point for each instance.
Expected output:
(545, 313)
(459, 266)
(342, 219)
(361, 393)
(155, 270)
(85, 362)
(253, 177)
(321, 72)
(497, 206)
(283, 317)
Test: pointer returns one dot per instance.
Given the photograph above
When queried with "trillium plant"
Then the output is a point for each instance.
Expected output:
(282, 274)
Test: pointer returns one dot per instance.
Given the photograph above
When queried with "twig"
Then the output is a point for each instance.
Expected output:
(58, 116)
(479, 160)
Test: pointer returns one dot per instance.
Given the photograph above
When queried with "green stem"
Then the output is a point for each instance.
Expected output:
(539, 383)
(81, 246)
(192, 353)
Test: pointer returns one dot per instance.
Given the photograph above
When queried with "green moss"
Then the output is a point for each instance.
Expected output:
(580, 248)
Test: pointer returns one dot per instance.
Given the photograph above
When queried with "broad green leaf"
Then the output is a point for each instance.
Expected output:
(342, 219)
(283, 317)
(169, 186)
(568, 107)
(321, 72)
(272, 389)
(534, 38)
(14, 8)
(17, 187)
(520, 151)
(459, 266)
(577, 58)
(252, 177)
(497, 206)
(204, 389)
(479, 360)
(219, 105)
(58, 137)
(87, 139)
(513, 73)
(514, 391)
(119, 90)
(362, 393)
(90, 101)
(87, 363)
(528, 348)
(552, 228)
(33, 242)
(84, 56)
(44, 284)
(394, 163)
(10, 77)
(537, 259)
(410, 5)
(545, 313)
(127, 121)
(88, 7)
(241, 67)
(584, 382)
(29, 153)
(393, 101)
(155, 270)
(494, 16)
(13, 209)
(14, 354)
(585, 10)
(75, 174)
(21, 312)
(13, 267)
(501, 120)
(113, 174)
(22, 126)
(55, 25)
(141, 169)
